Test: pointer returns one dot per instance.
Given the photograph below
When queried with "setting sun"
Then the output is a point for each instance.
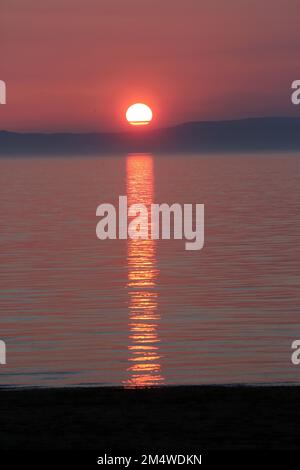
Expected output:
(139, 114)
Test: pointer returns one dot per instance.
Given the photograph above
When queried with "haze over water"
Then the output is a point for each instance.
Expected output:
(77, 310)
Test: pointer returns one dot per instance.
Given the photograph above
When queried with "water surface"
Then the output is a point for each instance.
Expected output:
(77, 310)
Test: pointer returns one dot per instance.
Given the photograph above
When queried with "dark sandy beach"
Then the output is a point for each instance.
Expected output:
(160, 419)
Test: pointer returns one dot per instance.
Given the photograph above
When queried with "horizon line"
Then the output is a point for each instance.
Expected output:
(149, 129)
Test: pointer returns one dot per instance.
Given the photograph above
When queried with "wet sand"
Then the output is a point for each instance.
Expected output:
(158, 419)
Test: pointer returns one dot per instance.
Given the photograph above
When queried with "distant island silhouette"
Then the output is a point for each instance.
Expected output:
(252, 134)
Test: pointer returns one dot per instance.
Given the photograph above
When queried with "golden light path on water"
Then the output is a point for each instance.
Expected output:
(144, 355)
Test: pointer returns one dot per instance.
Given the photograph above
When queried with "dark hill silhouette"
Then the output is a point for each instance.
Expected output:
(264, 134)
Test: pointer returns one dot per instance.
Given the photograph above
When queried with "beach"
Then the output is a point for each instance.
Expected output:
(155, 419)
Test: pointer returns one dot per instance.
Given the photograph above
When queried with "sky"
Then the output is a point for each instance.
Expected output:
(76, 65)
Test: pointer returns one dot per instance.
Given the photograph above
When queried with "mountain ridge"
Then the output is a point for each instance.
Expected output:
(253, 134)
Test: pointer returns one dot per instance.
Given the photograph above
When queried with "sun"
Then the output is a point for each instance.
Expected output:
(139, 114)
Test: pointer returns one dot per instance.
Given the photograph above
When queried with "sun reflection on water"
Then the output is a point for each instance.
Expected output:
(144, 355)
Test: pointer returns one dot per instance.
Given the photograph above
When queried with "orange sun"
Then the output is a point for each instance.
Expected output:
(139, 114)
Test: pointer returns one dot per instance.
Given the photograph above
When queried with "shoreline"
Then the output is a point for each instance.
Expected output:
(89, 386)
(186, 418)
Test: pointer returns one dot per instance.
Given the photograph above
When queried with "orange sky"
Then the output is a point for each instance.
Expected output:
(77, 64)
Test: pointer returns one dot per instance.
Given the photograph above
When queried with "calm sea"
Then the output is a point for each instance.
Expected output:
(75, 310)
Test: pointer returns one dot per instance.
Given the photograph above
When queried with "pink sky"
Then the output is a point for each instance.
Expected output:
(78, 64)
